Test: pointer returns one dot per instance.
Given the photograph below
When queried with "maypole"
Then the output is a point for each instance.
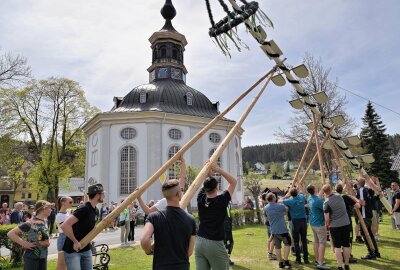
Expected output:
(110, 217)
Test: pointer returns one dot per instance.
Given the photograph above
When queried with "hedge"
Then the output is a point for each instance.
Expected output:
(16, 251)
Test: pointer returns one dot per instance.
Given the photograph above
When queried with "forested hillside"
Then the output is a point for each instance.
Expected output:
(280, 152)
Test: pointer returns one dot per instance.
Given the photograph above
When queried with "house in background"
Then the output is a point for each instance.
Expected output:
(74, 188)
(259, 168)
(396, 163)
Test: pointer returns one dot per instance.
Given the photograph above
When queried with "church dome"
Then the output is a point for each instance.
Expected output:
(168, 95)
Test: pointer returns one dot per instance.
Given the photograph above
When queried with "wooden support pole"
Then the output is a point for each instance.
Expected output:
(313, 160)
(187, 197)
(376, 189)
(320, 160)
(110, 217)
(350, 191)
(303, 158)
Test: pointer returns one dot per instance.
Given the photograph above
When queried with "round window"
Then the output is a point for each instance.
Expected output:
(128, 133)
(175, 134)
(215, 138)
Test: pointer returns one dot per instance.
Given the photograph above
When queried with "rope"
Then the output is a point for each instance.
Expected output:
(210, 16)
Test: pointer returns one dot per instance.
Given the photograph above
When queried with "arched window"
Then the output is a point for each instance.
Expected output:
(128, 133)
(219, 162)
(128, 176)
(143, 97)
(214, 137)
(163, 51)
(175, 53)
(174, 169)
(175, 134)
(189, 99)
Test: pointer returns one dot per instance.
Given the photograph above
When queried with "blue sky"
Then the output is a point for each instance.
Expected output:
(104, 46)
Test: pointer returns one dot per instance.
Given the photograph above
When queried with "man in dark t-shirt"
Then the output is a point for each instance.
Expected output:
(396, 204)
(77, 226)
(174, 232)
(210, 249)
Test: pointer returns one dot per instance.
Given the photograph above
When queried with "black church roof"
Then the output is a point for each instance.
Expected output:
(167, 95)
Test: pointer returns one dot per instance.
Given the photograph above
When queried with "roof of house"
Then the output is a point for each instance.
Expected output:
(73, 187)
(396, 163)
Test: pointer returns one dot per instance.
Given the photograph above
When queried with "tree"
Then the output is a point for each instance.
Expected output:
(13, 69)
(15, 160)
(51, 114)
(253, 182)
(286, 166)
(317, 80)
(375, 141)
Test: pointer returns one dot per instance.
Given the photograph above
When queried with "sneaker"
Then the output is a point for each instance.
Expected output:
(297, 261)
(346, 267)
(352, 260)
(271, 256)
(230, 262)
(287, 265)
(369, 257)
(340, 268)
(359, 240)
(306, 261)
(323, 267)
(377, 254)
(281, 265)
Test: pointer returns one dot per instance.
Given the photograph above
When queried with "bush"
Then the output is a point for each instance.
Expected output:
(16, 250)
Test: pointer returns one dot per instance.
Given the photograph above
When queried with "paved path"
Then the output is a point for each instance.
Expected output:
(111, 238)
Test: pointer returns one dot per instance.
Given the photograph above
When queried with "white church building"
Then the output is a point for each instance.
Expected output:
(127, 144)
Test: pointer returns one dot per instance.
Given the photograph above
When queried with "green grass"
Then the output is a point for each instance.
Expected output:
(250, 253)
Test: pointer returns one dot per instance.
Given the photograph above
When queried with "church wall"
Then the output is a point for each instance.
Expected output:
(139, 142)
(154, 160)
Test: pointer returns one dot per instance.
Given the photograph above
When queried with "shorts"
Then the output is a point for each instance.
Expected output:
(341, 236)
(396, 216)
(319, 234)
(278, 238)
(60, 242)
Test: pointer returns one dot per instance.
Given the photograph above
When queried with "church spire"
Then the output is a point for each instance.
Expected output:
(168, 46)
(168, 11)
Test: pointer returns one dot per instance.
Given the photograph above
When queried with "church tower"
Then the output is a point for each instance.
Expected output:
(147, 126)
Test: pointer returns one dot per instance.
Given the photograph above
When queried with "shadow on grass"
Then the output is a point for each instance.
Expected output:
(238, 267)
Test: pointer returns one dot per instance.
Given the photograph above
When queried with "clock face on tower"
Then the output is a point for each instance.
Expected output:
(176, 73)
(162, 73)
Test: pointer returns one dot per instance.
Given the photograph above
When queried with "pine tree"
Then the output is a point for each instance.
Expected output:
(375, 141)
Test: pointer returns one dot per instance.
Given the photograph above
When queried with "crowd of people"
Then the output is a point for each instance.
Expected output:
(171, 234)
(329, 213)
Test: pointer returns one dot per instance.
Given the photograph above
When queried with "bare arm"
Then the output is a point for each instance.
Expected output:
(396, 206)
(67, 229)
(327, 218)
(13, 235)
(231, 180)
(147, 210)
(191, 245)
(145, 239)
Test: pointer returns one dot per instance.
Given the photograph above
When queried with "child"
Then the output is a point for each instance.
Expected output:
(37, 242)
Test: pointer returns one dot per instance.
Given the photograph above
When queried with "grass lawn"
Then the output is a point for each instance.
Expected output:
(249, 252)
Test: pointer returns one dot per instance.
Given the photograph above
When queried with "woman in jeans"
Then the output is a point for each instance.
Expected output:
(64, 204)
(124, 224)
(132, 221)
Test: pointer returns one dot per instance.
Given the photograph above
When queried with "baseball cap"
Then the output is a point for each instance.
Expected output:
(96, 188)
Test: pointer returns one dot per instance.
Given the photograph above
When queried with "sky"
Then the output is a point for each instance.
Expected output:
(104, 46)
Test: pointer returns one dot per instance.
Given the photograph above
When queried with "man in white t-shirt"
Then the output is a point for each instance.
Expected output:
(162, 204)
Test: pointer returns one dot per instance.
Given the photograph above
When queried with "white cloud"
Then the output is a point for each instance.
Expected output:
(104, 45)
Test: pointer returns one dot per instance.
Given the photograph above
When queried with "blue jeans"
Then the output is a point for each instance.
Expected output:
(79, 261)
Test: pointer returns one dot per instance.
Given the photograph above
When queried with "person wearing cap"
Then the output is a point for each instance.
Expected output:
(37, 242)
(174, 232)
(210, 250)
(162, 204)
(77, 226)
